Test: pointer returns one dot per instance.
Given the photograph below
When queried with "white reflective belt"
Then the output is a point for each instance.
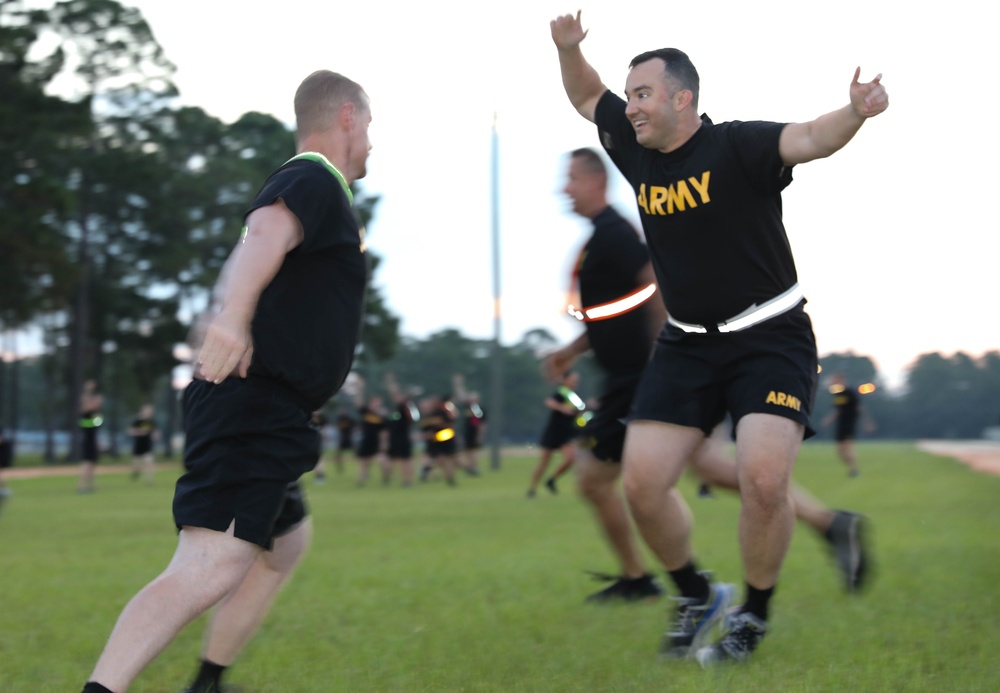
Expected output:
(751, 316)
(613, 308)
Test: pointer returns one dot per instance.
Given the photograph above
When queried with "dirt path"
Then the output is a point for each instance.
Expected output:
(981, 455)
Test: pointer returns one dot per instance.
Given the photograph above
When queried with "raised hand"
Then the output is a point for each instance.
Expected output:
(567, 32)
(868, 99)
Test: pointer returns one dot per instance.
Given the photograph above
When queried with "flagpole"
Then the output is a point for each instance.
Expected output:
(496, 403)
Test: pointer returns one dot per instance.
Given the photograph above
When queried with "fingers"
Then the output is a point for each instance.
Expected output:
(219, 357)
(245, 362)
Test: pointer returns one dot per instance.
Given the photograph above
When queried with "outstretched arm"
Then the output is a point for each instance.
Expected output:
(802, 142)
(582, 83)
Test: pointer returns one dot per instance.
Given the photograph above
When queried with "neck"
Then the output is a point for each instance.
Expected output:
(685, 133)
(335, 154)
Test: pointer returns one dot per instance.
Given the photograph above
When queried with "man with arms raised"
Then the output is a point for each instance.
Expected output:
(738, 340)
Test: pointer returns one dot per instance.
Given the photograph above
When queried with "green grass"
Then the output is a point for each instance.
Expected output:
(477, 589)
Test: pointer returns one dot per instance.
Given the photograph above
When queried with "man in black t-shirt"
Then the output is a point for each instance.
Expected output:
(612, 294)
(6, 460)
(373, 419)
(143, 432)
(560, 429)
(277, 344)
(473, 425)
(345, 437)
(846, 412)
(738, 340)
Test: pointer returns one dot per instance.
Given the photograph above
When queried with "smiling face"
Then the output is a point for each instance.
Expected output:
(652, 104)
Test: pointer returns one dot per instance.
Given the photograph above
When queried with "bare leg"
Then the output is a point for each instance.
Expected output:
(597, 482)
(654, 458)
(86, 483)
(543, 464)
(447, 464)
(385, 464)
(569, 455)
(364, 469)
(238, 616)
(766, 447)
(845, 449)
(406, 471)
(714, 465)
(206, 566)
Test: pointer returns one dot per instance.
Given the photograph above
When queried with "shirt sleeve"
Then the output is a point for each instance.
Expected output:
(756, 146)
(615, 131)
(315, 197)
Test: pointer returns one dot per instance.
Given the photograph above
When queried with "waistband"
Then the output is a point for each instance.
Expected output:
(782, 303)
(262, 382)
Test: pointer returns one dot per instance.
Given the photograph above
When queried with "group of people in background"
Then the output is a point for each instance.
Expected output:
(444, 432)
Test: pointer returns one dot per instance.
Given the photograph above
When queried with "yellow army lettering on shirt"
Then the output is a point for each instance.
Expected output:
(677, 197)
(783, 400)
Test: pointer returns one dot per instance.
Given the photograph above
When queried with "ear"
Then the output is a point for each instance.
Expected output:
(683, 99)
(346, 116)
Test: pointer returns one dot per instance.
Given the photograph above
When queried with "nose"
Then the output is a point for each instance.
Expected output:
(630, 108)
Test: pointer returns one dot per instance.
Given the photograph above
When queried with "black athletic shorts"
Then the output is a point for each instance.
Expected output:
(845, 430)
(400, 447)
(89, 450)
(247, 443)
(695, 379)
(604, 434)
(368, 447)
(441, 448)
(142, 446)
(557, 433)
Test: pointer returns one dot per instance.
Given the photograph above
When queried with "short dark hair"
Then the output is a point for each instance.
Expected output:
(318, 98)
(591, 160)
(678, 67)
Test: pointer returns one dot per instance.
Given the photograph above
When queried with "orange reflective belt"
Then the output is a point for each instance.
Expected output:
(613, 308)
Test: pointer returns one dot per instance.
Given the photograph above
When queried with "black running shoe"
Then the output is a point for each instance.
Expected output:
(694, 620)
(737, 645)
(847, 536)
(623, 589)
(551, 486)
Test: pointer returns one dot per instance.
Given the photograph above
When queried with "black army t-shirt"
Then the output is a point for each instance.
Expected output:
(608, 270)
(308, 319)
(711, 212)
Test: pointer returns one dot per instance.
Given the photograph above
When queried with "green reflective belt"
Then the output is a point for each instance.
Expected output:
(92, 422)
(572, 398)
(319, 158)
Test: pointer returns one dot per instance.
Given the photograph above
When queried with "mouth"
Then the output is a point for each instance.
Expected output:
(639, 123)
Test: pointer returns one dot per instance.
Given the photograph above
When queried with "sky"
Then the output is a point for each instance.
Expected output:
(894, 237)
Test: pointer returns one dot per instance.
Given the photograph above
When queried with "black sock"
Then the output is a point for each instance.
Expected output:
(757, 601)
(209, 677)
(690, 582)
(94, 687)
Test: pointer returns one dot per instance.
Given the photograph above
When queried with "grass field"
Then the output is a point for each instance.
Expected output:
(477, 589)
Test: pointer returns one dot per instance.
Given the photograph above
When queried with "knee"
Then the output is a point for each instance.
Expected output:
(639, 491)
(764, 489)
